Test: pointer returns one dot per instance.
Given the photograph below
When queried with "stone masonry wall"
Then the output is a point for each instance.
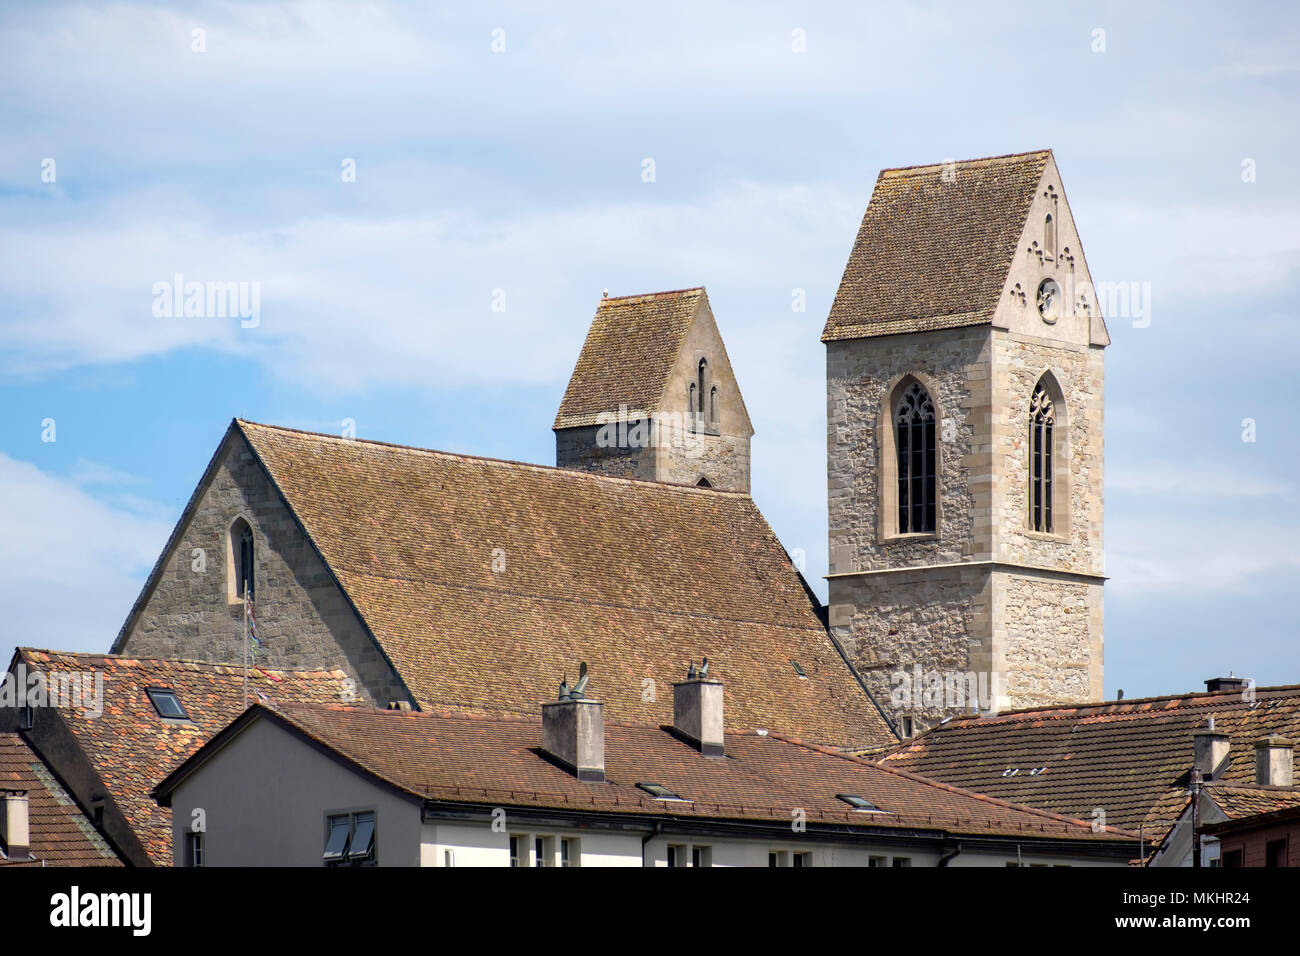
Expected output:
(1019, 363)
(888, 623)
(578, 448)
(302, 617)
(684, 457)
(954, 366)
(1049, 634)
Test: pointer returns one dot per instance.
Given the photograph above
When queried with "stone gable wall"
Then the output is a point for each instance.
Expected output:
(302, 617)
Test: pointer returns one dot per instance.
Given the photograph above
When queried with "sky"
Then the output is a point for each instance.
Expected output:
(430, 200)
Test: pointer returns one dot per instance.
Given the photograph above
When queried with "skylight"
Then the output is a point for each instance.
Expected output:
(798, 669)
(658, 792)
(167, 703)
(858, 803)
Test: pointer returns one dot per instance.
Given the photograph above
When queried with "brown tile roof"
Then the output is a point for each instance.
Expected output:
(496, 760)
(60, 834)
(1131, 758)
(931, 253)
(131, 748)
(634, 577)
(627, 357)
(1238, 800)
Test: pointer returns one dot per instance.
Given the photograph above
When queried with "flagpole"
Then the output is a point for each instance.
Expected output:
(245, 644)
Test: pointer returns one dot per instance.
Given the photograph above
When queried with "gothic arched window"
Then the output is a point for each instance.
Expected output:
(713, 404)
(704, 372)
(242, 561)
(914, 435)
(692, 398)
(1042, 447)
(1049, 236)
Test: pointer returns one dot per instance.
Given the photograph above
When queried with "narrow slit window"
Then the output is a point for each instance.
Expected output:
(915, 436)
(242, 559)
(703, 374)
(1042, 427)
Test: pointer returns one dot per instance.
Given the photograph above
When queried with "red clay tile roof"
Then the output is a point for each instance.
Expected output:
(60, 834)
(933, 253)
(627, 357)
(132, 748)
(635, 577)
(1130, 758)
(495, 760)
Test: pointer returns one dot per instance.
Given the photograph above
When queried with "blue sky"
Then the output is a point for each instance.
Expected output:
(521, 170)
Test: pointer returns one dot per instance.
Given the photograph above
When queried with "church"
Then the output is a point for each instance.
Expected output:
(964, 389)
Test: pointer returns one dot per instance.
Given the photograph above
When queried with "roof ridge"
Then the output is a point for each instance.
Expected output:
(488, 460)
(651, 295)
(1123, 707)
(967, 162)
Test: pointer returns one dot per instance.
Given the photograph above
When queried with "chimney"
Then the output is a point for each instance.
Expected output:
(13, 824)
(1215, 684)
(1275, 761)
(697, 710)
(1210, 748)
(573, 731)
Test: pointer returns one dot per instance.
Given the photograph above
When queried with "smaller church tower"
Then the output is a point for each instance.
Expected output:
(653, 396)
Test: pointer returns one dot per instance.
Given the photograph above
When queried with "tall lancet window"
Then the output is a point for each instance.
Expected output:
(704, 374)
(242, 560)
(914, 423)
(1049, 237)
(1042, 428)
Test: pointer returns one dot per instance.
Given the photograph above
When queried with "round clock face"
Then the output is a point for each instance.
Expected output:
(1049, 300)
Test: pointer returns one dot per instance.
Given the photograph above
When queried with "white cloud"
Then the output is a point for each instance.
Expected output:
(71, 565)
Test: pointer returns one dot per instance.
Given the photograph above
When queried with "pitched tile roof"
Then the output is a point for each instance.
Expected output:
(634, 577)
(934, 248)
(131, 748)
(627, 357)
(60, 834)
(496, 760)
(1241, 800)
(1130, 758)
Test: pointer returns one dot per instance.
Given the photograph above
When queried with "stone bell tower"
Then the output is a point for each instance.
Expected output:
(965, 373)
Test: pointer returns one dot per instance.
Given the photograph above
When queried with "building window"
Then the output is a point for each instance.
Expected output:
(902, 861)
(703, 483)
(242, 561)
(907, 727)
(1042, 437)
(801, 859)
(1049, 237)
(915, 446)
(194, 849)
(166, 703)
(701, 856)
(544, 851)
(26, 717)
(1234, 858)
(350, 839)
(703, 376)
(570, 852)
(877, 861)
(713, 405)
(448, 858)
(778, 858)
(692, 399)
(1275, 853)
(676, 855)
